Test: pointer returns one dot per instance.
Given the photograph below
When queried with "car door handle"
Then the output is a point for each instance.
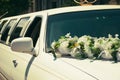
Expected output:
(15, 63)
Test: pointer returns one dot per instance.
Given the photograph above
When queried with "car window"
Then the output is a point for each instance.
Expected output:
(2, 24)
(34, 29)
(7, 28)
(17, 30)
(97, 23)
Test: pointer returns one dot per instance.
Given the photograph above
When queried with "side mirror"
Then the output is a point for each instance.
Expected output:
(24, 44)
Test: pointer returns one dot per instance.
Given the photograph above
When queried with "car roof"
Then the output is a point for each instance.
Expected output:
(75, 8)
(81, 8)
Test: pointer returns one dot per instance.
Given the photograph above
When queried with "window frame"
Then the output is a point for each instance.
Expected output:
(31, 23)
(12, 34)
(6, 34)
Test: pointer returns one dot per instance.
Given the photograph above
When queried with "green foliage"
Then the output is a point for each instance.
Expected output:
(114, 55)
(81, 56)
(69, 3)
(96, 51)
(13, 7)
(88, 47)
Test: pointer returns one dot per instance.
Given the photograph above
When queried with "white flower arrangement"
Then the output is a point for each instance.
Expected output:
(88, 47)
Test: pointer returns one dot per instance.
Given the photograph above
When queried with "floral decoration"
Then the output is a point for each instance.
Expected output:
(88, 47)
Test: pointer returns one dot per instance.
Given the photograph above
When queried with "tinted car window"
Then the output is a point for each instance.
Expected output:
(2, 24)
(16, 32)
(34, 29)
(5, 32)
(94, 23)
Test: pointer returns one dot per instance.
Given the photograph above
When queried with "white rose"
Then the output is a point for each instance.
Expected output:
(63, 47)
(53, 45)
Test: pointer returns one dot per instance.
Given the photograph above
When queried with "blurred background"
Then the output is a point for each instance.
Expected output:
(16, 7)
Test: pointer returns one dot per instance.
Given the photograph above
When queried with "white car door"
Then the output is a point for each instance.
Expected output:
(26, 64)
(6, 62)
(29, 67)
(6, 58)
(12, 64)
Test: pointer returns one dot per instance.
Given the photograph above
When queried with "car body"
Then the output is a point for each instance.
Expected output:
(25, 54)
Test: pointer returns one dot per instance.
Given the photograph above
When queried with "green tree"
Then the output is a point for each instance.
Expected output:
(13, 7)
(69, 3)
(118, 1)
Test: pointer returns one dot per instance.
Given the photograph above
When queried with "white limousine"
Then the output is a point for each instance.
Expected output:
(70, 43)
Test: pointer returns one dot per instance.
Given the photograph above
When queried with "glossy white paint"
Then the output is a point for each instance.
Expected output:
(23, 66)
(22, 45)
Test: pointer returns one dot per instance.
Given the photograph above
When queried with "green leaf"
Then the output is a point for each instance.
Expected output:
(114, 56)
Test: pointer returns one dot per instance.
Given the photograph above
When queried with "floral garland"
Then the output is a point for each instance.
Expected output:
(88, 47)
